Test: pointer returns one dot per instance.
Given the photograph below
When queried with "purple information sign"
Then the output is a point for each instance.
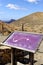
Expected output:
(24, 41)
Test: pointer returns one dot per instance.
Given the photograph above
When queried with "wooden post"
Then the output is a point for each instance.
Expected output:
(13, 57)
(31, 58)
(22, 27)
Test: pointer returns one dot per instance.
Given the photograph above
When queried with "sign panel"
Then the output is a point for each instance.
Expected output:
(24, 41)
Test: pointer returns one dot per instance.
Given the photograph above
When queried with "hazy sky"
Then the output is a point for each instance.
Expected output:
(15, 9)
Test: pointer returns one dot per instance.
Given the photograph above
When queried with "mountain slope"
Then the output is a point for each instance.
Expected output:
(34, 18)
(30, 23)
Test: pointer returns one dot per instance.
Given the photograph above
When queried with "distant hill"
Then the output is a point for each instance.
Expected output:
(10, 21)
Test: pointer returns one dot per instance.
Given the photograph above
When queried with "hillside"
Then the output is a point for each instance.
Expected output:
(5, 28)
(10, 21)
(34, 18)
(30, 23)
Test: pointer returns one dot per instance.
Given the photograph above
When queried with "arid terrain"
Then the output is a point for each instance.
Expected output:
(30, 23)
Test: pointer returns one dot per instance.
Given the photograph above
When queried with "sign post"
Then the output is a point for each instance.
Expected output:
(23, 41)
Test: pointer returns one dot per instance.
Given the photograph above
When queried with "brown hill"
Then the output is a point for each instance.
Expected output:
(34, 18)
(31, 23)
